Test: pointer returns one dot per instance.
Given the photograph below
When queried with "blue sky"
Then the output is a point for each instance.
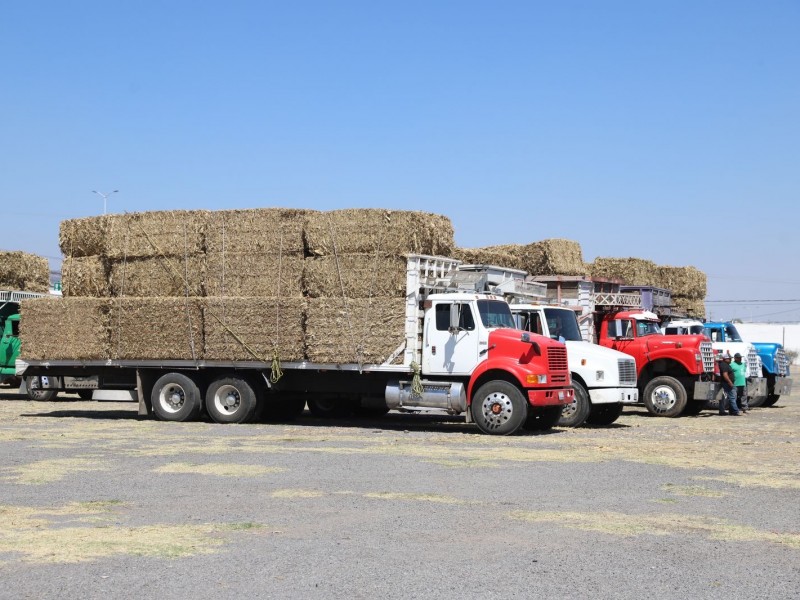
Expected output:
(664, 130)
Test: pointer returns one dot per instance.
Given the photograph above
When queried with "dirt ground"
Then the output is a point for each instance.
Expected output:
(98, 502)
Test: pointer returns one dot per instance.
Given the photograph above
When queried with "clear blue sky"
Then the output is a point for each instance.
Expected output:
(664, 130)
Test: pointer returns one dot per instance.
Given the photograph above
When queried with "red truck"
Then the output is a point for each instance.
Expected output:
(675, 372)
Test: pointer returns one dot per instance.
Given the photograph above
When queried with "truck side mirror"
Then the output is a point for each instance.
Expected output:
(455, 317)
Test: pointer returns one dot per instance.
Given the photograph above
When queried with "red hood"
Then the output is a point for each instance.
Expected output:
(656, 342)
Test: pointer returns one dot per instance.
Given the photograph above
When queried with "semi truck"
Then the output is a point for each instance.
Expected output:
(460, 353)
(774, 363)
(675, 372)
(756, 388)
(603, 380)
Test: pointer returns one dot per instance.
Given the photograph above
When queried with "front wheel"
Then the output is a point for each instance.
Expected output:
(576, 412)
(665, 397)
(499, 408)
(604, 414)
(35, 391)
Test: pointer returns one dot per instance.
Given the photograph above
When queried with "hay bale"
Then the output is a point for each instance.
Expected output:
(336, 330)
(688, 282)
(632, 271)
(160, 276)
(241, 274)
(363, 231)
(156, 328)
(85, 276)
(256, 231)
(692, 307)
(252, 329)
(83, 237)
(25, 272)
(552, 257)
(64, 328)
(487, 256)
(355, 275)
(148, 234)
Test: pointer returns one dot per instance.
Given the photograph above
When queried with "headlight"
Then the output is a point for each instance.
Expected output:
(540, 379)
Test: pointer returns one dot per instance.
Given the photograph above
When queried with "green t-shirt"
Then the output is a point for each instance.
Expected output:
(739, 373)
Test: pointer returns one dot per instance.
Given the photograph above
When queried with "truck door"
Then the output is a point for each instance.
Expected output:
(9, 345)
(447, 352)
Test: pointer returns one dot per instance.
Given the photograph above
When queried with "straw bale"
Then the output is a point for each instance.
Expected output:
(156, 328)
(257, 230)
(689, 282)
(487, 256)
(336, 330)
(632, 271)
(85, 276)
(23, 271)
(64, 328)
(159, 276)
(552, 257)
(362, 231)
(83, 237)
(244, 274)
(148, 234)
(693, 307)
(254, 328)
(356, 275)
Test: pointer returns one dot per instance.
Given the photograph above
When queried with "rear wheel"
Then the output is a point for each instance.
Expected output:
(665, 397)
(771, 400)
(499, 408)
(231, 400)
(176, 397)
(604, 414)
(330, 407)
(36, 392)
(576, 412)
(543, 418)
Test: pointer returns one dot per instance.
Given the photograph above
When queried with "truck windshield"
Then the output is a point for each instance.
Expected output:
(732, 334)
(647, 328)
(495, 313)
(563, 324)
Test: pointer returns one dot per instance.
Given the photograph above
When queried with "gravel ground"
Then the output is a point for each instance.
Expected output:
(98, 502)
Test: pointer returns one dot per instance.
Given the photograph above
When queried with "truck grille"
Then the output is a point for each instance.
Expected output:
(557, 359)
(753, 364)
(627, 371)
(781, 363)
(708, 356)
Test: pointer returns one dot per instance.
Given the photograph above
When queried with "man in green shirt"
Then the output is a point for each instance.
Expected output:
(740, 381)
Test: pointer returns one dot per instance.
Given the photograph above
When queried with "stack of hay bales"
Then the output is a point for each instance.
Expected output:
(355, 279)
(687, 284)
(24, 272)
(545, 257)
(244, 285)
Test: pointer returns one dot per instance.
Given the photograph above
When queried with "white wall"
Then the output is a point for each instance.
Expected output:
(787, 334)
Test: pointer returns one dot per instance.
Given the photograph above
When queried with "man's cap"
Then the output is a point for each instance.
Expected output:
(725, 356)
(737, 355)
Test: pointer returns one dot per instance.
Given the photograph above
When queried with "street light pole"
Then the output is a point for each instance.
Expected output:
(105, 197)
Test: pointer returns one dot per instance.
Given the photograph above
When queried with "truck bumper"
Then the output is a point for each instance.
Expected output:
(705, 390)
(756, 387)
(783, 386)
(620, 395)
(555, 397)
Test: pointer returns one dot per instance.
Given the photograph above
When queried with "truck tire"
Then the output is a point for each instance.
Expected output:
(665, 397)
(35, 392)
(499, 408)
(757, 402)
(576, 412)
(543, 418)
(604, 414)
(231, 400)
(175, 397)
(771, 400)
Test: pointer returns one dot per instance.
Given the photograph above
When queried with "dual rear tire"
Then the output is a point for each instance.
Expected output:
(229, 399)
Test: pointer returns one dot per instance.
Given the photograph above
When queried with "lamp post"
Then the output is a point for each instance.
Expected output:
(105, 197)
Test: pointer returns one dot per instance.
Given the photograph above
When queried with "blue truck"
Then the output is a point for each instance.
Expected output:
(774, 363)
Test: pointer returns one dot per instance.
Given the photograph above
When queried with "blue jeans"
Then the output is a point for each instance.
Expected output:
(728, 401)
